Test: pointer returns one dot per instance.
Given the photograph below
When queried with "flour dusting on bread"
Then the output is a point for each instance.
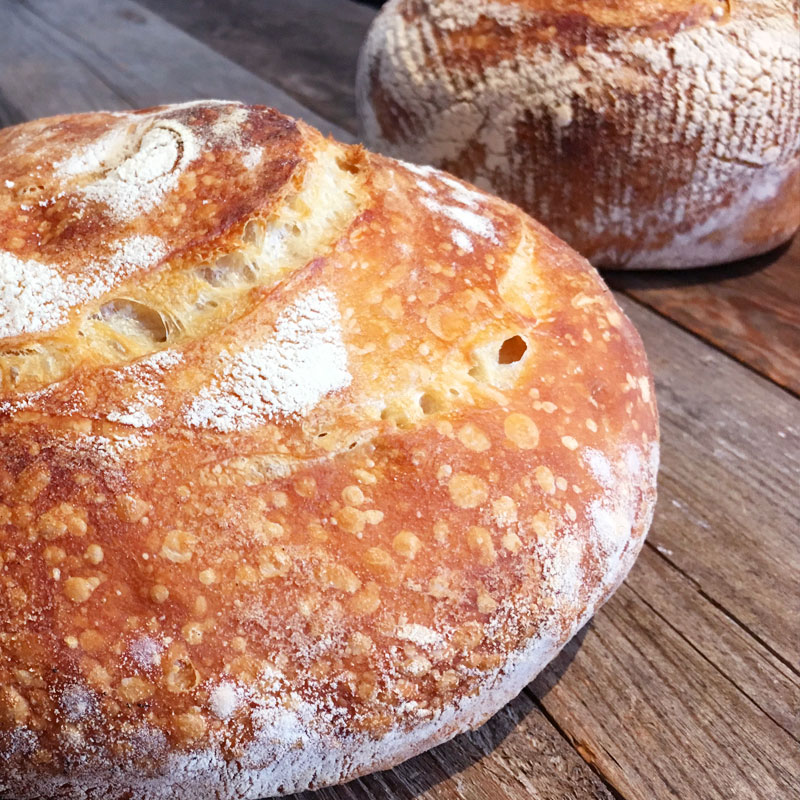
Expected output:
(638, 133)
(303, 361)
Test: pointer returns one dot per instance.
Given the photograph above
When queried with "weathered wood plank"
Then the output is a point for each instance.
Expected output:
(658, 720)
(517, 754)
(39, 77)
(307, 47)
(61, 57)
(729, 515)
(764, 679)
(750, 309)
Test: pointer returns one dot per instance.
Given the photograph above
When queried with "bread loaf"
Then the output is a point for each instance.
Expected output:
(309, 459)
(646, 134)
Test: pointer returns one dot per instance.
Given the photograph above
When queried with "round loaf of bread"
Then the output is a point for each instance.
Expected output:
(646, 134)
(309, 459)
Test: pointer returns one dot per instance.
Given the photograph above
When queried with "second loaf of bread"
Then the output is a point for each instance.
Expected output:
(646, 135)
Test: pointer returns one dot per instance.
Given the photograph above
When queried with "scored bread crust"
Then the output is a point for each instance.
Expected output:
(647, 135)
(309, 459)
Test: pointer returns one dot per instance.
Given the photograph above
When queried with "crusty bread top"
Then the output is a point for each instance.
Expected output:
(497, 29)
(560, 16)
(325, 445)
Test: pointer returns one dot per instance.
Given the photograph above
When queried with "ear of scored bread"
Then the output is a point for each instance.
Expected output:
(309, 459)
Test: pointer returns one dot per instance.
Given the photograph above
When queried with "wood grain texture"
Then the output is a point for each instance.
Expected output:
(677, 599)
(660, 721)
(750, 309)
(85, 55)
(306, 47)
(729, 511)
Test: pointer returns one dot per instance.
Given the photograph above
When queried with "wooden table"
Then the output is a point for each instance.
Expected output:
(687, 683)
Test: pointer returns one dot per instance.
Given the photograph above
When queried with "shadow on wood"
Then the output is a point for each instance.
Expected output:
(660, 279)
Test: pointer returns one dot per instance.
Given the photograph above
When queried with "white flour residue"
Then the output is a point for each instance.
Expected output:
(562, 571)
(33, 296)
(36, 297)
(461, 193)
(132, 254)
(599, 466)
(467, 219)
(95, 157)
(614, 512)
(304, 360)
(466, 215)
(227, 128)
(147, 376)
(611, 529)
(138, 184)
(159, 363)
(224, 699)
(462, 240)
(146, 652)
(77, 702)
(106, 451)
(456, 15)
(419, 634)
(134, 417)
(251, 157)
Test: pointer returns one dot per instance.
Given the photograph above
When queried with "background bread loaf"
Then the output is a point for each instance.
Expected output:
(309, 459)
(646, 135)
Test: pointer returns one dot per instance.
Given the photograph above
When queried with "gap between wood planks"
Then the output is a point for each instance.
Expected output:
(745, 628)
(643, 599)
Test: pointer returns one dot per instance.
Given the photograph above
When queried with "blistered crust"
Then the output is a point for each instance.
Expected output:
(646, 135)
(342, 523)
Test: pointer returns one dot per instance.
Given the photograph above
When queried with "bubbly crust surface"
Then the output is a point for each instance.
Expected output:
(309, 459)
(644, 134)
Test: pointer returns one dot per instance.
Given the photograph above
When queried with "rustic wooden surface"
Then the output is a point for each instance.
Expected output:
(687, 683)
(750, 309)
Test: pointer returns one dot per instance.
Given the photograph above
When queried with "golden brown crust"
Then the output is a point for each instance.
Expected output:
(329, 523)
(621, 126)
(170, 173)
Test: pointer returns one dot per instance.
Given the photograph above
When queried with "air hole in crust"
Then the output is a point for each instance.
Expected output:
(253, 233)
(512, 350)
(228, 271)
(133, 319)
(429, 404)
